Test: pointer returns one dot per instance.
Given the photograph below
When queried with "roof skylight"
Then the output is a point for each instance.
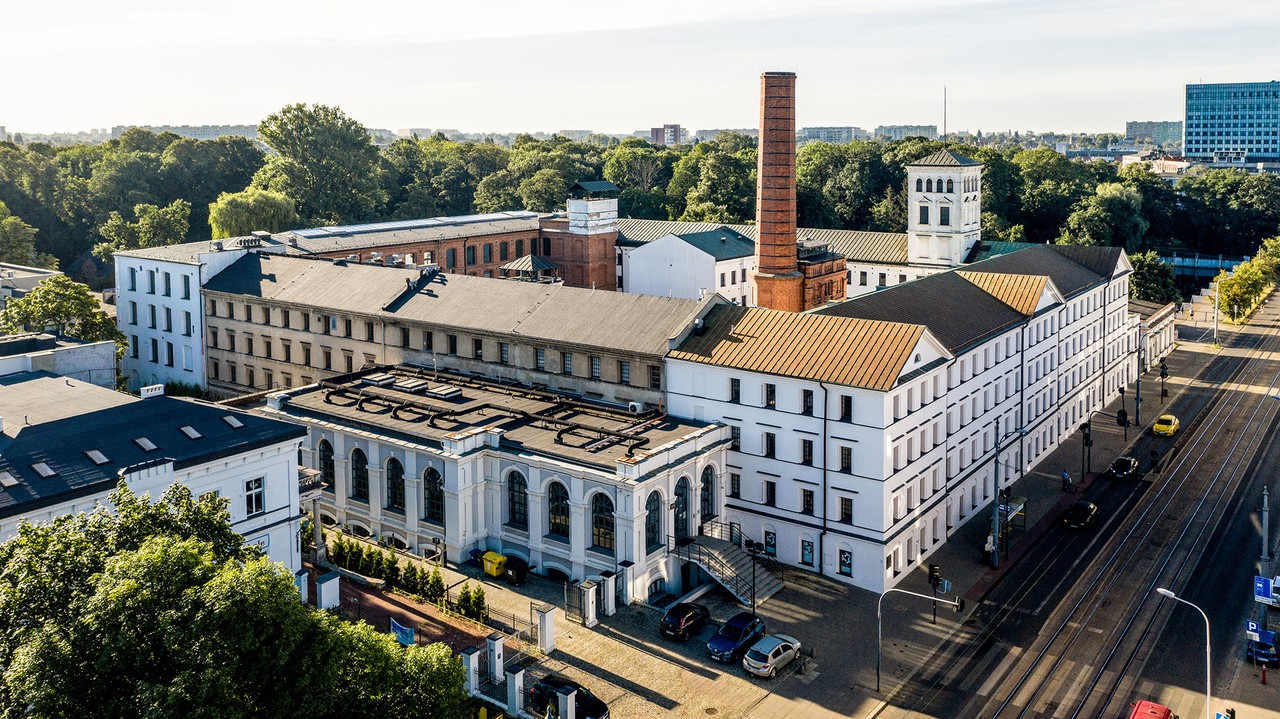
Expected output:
(190, 432)
(233, 421)
(43, 470)
(97, 457)
(146, 444)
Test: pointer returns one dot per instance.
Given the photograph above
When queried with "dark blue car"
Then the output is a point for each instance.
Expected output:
(734, 637)
(1261, 653)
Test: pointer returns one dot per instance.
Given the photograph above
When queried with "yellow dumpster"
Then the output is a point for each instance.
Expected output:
(495, 565)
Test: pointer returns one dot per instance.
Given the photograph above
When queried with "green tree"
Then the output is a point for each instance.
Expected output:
(638, 168)
(325, 162)
(434, 590)
(463, 602)
(63, 304)
(1152, 279)
(725, 191)
(241, 213)
(642, 204)
(544, 191)
(1111, 217)
(498, 192)
(18, 242)
(154, 227)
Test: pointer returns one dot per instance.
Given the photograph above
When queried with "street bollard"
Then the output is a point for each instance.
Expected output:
(1264, 675)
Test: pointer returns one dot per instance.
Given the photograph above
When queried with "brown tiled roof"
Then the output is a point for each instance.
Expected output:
(1021, 292)
(841, 350)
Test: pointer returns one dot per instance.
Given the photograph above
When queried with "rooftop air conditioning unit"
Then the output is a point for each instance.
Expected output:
(636, 407)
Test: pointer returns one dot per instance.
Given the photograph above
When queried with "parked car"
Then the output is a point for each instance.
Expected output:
(770, 654)
(1080, 514)
(1150, 710)
(733, 637)
(1261, 653)
(1166, 426)
(1123, 468)
(684, 620)
(546, 693)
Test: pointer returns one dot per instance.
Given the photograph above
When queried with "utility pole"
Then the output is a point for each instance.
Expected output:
(1266, 549)
(1214, 289)
(1137, 392)
(995, 506)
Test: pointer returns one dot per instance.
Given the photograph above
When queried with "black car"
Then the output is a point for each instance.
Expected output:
(1122, 468)
(1080, 514)
(546, 693)
(734, 637)
(683, 620)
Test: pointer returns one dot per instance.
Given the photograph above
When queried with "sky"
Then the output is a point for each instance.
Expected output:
(612, 66)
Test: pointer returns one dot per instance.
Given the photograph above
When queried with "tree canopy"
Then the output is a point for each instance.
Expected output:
(1152, 280)
(18, 242)
(236, 214)
(64, 305)
(153, 227)
(159, 609)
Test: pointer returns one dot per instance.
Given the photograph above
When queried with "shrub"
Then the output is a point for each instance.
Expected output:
(478, 608)
(433, 587)
(464, 600)
(409, 579)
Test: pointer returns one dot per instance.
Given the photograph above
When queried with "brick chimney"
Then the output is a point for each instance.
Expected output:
(777, 278)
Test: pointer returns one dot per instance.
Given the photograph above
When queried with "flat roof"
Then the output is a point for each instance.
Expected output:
(427, 407)
(87, 435)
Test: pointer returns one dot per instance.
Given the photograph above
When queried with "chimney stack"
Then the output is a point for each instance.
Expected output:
(779, 283)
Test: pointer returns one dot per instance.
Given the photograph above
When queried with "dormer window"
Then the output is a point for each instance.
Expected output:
(190, 432)
(44, 470)
(146, 444)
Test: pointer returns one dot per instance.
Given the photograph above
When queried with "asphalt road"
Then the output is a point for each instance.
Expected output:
(1075, 629)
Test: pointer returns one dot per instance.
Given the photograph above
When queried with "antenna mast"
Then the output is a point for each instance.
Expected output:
(944, 115)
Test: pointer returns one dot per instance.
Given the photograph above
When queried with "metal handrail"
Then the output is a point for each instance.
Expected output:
(712, 563)
(722, 531)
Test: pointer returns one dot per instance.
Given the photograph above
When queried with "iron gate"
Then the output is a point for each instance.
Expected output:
(574, 601)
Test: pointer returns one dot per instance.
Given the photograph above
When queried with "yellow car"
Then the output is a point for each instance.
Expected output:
(1166, 425)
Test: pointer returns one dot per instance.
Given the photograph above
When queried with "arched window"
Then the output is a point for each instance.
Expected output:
(951, 186)
(395, 485)
(325, 452)
(928, 185)
(682, 508)
(653, 522)
(433, 489)
(602, 522)
(517, 501)
(558, 510)
(359, 475)
(706, 495)
(919, 185)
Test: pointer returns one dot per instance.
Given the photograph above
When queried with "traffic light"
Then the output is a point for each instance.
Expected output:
(1086, 432)
(935, 575)
(1164, 370)
(1122, 418)
(959, 604)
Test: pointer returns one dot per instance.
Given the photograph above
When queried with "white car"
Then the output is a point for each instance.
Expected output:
(770, 654)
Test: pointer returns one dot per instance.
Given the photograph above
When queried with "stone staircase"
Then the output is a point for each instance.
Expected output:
(731, 566)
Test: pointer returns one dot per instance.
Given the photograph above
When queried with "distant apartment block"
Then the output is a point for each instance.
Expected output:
(707, 135)
(575, 135)
(1236, 122)
(668, 135)
(195, 132)
(832, 134)
(900, 132)
(1164, 133)
(421, 132)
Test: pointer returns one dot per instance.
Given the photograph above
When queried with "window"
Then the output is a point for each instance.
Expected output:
(151, 282)
(450, 258)
(186, 287)
(488, 252)
(133, 279)
(602, 522)
(770, 444)
(806, 451)
(306, 321)
(346, 327)
(186, 324)
(519, 248)
(540, 358)
(155, 350)
(846, 460)
(951, 187)
(359, 475)
(735, 438)
(806, 401)
(152, 316)
(133, 346)
(806, 552)
(770, 492)
(546, 246)
(168, 319)
(846, 408)
(558, 511)
(266, 346)
(846, 510)
(368, 331)
(944, 215)
(735, 390)
(706, 495)
(133, 313)
(624, 372)
(395, 485)
(883, 279)
(722, 279)
(254, 495)
(735, 485)
(433, 493)
(168, 354)
(924, 214)
(327, 356)
(168, 285)
(770, 395)
(471, 256)
(477, 348)
(806, 501)
(325, 452)
(517, 501)
(566, 363)
(428, 341)
(504, 350)
(846, 562)
(404, 337)
(653, 522)
(682, 508)
(595, 367)
(453, 344)
(655, 377)
(502, 252)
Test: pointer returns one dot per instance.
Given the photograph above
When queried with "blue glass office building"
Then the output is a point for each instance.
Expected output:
(1235, 122)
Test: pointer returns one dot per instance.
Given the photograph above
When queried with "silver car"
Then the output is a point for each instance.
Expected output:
(770, 654)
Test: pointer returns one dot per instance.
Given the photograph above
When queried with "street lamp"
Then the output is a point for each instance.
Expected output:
(957, 604)
(1208, 676)
(995, 505)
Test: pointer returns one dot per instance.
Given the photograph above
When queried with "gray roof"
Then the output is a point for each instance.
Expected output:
(1073, 269)
(529, 263)
(1146, 310)
(55, 420)
(552, 313)
(986, 249)
(956, 311)
(856, 245)
(595, 186)
(319, 240)
(944, 158)
(721, 243)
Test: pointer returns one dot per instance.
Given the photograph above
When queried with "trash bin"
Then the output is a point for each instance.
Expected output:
(495, 565)
(517, 571)
(476, 555)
